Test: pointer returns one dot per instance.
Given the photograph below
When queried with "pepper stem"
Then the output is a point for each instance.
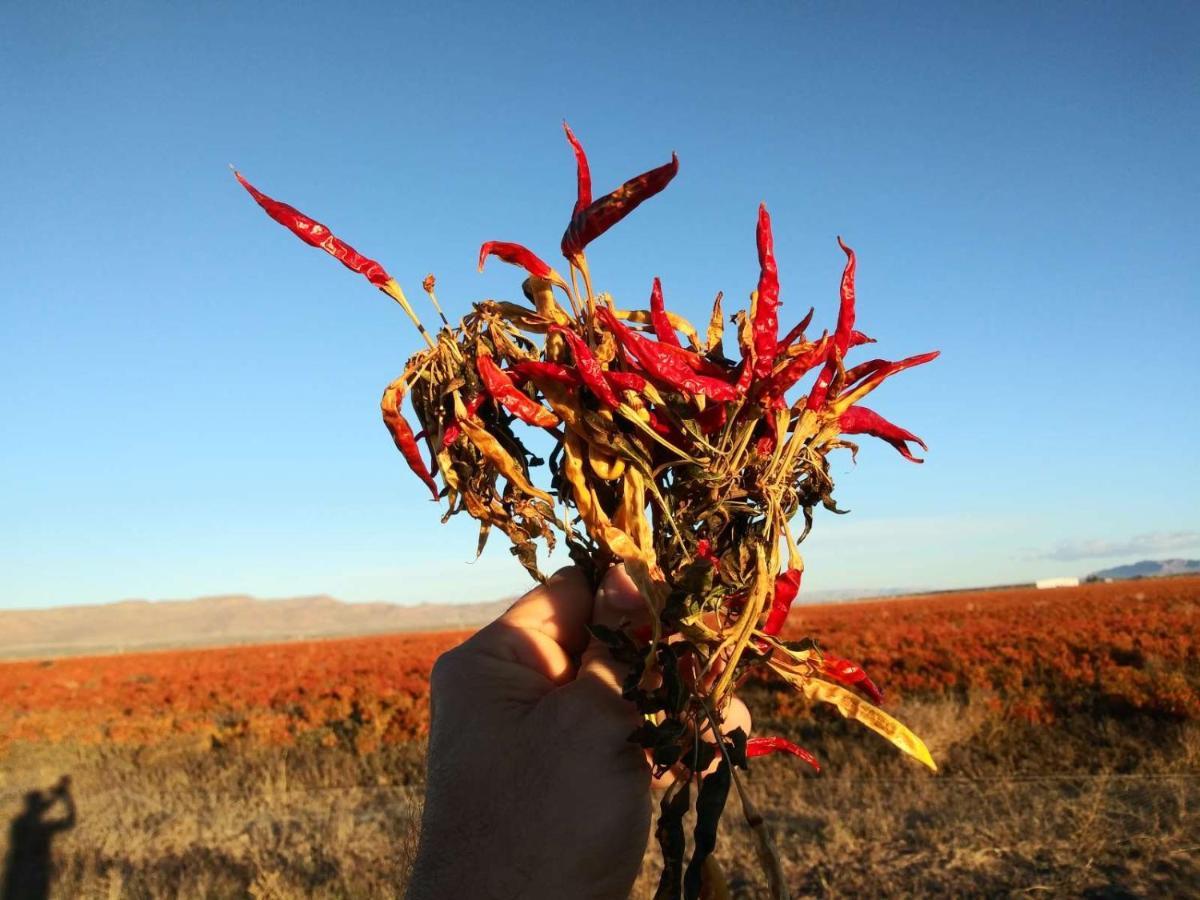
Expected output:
(393, 290)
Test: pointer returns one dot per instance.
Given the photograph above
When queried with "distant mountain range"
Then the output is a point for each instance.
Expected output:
(1150, 568)
(234, 619)
(242, 619)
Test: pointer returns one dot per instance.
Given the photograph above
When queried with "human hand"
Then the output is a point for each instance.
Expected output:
(533, 789)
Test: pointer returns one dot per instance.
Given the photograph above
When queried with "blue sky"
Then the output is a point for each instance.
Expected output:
(190, 400)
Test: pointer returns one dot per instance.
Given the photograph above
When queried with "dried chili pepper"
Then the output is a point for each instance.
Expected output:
(841, 336)
(664, 366)
(851, 675)
(874, 373)
(787, 586)
(763, 746)
(517, 255)
(845, 322)
(315, 234)
(766, 309)
(799, 365)
(538, 370)
(626, 381)
(705, 552)
(712, 419)
(583, 175)
(453, 429)
(588, 368)
(857, 339)
(402, 433)
(597, 217)
(860, 420)
(796, 332)
(658, 317)
(501, 389)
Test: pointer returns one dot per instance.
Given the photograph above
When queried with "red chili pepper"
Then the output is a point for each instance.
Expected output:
(766, 315)
(857, 339)
(583, 175)
(762, 746)
(597, 217)
(402, 434)
(626, 381)
(315, 234)
(705, 552)
(664, 366)
(845, 322)
(860, 420)
(453, 429)
(588, 368)
(517, 255)
(501, 389)
(872, 374)
(799, 365)
(787, 586)
(550, 371)
(796, 332)
(851, 675)
(661, 427)
(712, 419)
(663, 330)
(765, 445)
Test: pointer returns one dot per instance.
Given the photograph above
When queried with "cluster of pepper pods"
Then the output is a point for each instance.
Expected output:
(684, 462)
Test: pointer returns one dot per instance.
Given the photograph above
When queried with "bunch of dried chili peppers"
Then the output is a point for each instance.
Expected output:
(684, 462)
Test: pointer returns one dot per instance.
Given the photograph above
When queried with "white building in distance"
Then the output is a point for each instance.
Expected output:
(1044, 583)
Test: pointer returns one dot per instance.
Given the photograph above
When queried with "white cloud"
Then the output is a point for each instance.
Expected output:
(1143, 544)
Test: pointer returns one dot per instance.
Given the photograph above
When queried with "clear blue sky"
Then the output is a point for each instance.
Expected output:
(190, 394)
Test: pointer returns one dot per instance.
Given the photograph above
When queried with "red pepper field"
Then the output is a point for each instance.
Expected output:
(1102, 649)
(1065, 724)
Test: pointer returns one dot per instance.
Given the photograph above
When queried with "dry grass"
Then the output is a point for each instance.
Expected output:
(1085, 807)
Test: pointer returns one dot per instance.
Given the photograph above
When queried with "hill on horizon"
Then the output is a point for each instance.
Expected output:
(223, 619)
(243, 619)
(1149, 568)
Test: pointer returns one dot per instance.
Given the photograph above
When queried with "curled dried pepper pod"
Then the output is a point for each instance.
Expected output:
(860, 420)
(763, 746)
(799, 365)
(766, 309)
(402, 433)
(796, 332)
(872, 374)
(583, 174)
(787, 586)
(453, 429)
(501, 389)
(851, 675)
(845, 323)
(842, 336)
(517, 255)
(589, 223)
(663, 329)
(588, 368)
(665, 366)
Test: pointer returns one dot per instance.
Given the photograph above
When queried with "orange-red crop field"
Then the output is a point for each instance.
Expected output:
(1034, 655)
